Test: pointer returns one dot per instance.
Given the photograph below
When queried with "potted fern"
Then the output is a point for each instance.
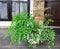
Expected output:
(27, 29)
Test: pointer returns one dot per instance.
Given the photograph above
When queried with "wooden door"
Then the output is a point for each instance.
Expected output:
(55, 11)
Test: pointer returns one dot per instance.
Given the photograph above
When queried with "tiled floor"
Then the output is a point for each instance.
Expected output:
(5, 42)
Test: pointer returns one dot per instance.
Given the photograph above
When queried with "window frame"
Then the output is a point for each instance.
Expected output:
(9, 9)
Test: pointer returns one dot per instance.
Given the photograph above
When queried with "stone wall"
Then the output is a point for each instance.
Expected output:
(38, 10)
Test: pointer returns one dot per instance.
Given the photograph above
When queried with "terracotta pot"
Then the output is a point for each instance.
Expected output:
(39, 20)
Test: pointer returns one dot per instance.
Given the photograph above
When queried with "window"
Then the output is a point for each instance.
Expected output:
(9, 8)
(3, 10)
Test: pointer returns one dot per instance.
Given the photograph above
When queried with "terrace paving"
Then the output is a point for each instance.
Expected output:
(5, 42)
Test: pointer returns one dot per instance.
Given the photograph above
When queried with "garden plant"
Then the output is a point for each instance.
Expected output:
(24, 27)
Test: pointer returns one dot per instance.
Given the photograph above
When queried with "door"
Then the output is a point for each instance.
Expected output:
(55, 11)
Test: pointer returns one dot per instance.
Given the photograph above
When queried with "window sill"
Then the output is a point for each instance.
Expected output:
(4, 24)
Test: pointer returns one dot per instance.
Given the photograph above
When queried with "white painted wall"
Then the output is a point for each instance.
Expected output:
(31, 6)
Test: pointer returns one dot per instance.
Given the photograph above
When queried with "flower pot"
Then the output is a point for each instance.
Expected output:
(39, 20)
